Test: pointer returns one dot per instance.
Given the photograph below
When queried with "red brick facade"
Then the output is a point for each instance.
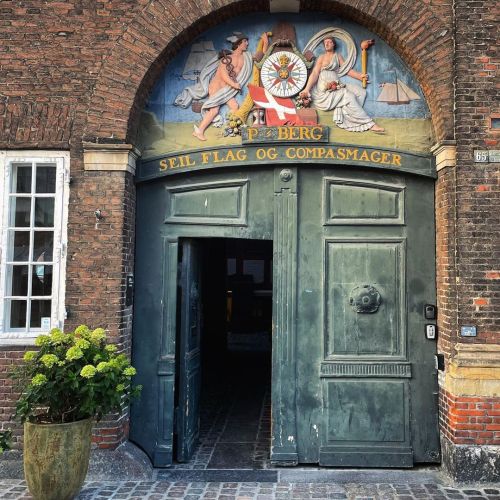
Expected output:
(470, 420)
(74, 72)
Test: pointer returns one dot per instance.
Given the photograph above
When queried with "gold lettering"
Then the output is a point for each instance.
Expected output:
(272, 154)
(215, 157)
(375, 156)
(396, 160)
(172, 162)
(283, 133)
(293, 133)
(205, 157)
(316, 133)
(330, 153)
(311, 152)
(364, 156)
(352, 154)
(260, 154)
(186, 161)
(341, 153)
(229, 156)
(290, 153)
(163, 165)
(304, 133)
(252, 133)
(320, 152)
(385, 158)
(241, 154)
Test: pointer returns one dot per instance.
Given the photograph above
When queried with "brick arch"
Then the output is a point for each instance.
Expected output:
(420, 33)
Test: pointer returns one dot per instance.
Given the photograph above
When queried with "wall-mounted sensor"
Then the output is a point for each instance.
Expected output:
(430, 311)
(430, 332)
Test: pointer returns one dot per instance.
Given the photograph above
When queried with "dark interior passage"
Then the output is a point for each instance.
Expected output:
(236, 302)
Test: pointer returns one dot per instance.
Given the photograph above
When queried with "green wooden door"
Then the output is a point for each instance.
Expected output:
(171, 215)
(353, 378)
(189, 360)
(366, 382)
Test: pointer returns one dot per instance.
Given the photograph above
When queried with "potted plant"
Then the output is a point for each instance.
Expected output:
(71, 380)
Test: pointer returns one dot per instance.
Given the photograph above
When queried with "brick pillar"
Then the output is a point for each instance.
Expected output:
(112, 167)
(469, 402)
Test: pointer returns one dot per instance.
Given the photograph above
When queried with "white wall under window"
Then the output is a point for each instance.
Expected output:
(34, 189)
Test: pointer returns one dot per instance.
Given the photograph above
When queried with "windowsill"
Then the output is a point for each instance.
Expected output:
(18, 341)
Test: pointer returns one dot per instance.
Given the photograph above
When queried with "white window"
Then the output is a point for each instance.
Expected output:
(35, 189)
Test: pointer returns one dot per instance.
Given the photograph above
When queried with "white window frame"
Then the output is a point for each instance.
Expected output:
(62, 161)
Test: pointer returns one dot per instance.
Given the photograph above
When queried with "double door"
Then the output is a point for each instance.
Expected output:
(353, 377)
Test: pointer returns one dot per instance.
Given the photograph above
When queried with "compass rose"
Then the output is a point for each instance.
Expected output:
(284, 74)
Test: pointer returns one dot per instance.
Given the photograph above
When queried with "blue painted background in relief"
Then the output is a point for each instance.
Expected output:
(384, 66)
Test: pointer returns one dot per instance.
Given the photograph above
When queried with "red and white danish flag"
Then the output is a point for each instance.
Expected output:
(279, 110)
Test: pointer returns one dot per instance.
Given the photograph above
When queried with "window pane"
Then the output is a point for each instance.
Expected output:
(43, 246)
(44, 212)
(21, 178)
(18, 246)
(41, 283)
(20, 209)
(19, 283)
(16, 313)
(39, 309)
(45, 178)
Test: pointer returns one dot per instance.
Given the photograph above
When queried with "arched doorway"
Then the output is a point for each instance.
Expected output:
(349, 210)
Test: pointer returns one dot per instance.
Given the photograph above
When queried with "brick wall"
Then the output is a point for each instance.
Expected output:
(73, 70)
(477, 189)
(470, 420)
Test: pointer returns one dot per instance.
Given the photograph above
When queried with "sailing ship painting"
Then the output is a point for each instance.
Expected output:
(200, 54)
(396, 93)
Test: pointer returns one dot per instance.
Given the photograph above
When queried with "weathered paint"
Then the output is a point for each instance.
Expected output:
(349, 387)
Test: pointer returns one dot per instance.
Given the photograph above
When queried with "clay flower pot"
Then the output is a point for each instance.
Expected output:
(56, 458)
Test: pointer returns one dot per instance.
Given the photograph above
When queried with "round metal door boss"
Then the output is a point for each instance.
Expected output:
(286, 175)
(284, 74)
(365, 299)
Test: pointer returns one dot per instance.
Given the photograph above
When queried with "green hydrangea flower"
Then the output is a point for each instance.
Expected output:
(120, 388)
(82, 344)
(42, 340)
(111, 348)
(49, 360)
(29, 355)
(88, 371)
(97, 335)
(129, 371)
(56, 336)
(82, 331)
(114, 363)
(102, 366)
(74, 353)
(39, 379)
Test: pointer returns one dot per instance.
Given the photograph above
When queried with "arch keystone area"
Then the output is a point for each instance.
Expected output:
(420, 34)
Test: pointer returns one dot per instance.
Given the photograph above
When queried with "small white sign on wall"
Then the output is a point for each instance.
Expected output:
(45, 324)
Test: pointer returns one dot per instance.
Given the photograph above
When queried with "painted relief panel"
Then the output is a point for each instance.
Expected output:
(363, 298)
(252, 79)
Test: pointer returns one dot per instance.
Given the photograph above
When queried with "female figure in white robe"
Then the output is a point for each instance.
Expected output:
(347, 100)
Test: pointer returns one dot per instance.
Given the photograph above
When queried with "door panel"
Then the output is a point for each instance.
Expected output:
(363, 297)
(189, 376)
(360, 318)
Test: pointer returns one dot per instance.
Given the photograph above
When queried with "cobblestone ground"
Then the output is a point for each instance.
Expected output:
(158, 490)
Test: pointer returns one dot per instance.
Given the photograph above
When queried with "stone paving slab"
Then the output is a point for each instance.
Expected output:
(159, 490)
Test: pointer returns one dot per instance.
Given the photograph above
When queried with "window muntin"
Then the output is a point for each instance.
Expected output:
(34, 230)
